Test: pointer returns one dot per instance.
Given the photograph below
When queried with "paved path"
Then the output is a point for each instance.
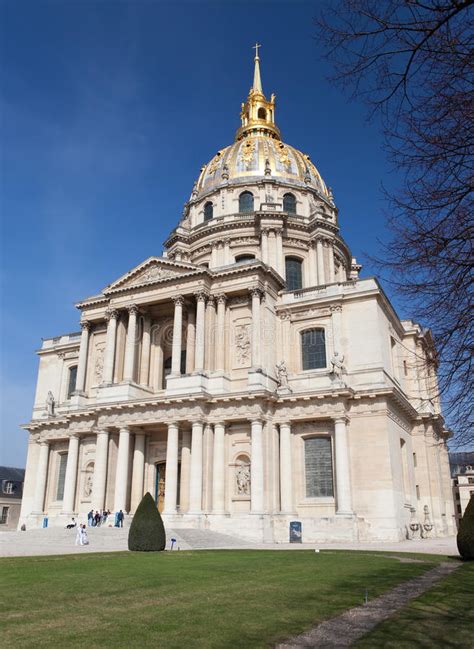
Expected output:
(344, 630)
(55, 540)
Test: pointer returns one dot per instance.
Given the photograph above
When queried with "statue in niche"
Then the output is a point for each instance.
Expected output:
(99, 363)
(282, 377)
(337, 367)
(242, 345)
(243, 479)
(50, 403)
(88, 485)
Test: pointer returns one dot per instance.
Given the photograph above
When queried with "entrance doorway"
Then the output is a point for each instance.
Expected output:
(160, 482)
(160, 485)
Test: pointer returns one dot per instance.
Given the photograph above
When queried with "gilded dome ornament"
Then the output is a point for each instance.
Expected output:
(258, 151)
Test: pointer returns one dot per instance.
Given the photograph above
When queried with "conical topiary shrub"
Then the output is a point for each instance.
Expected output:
(466, 532)
(147, 532)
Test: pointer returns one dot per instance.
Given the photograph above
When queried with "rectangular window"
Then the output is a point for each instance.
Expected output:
(414, 460)
(72, 381)
(418, 492)
(405, 368)
(318, 467)
(470, 480)
(313, 347)
(61, 476)
(4, 516)
(8, 489)
(459, 509)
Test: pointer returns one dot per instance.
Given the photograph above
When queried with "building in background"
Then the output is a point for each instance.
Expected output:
(462, 476)
(248, 378)
(11, 492)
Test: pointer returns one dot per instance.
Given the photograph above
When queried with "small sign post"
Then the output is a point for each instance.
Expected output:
(296, 534)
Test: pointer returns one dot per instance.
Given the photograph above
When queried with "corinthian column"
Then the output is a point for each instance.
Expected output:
(177, 336)
(190, 340)
(264, 245)
(131, 344)
(195, 478)
(109, 356)
(332, 272)
(121, 476)
(218, 470)
(41, 477)
(138, 471)
(70, 479)
(100, 470)
(256, 294)
(220, 337)
(83, 353)
(343, 482)
(171, 481)
(286, 482)
(146, 347)
(256, 470)
(320, 260)
(210, 343)
(200, 330)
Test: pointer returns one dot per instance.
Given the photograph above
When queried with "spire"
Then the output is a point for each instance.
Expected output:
(257, 81)
(257, 113)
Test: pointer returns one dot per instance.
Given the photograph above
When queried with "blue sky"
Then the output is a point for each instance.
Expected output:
(108, 111)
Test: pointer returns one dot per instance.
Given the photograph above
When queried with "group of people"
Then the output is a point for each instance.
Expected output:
(96, 519)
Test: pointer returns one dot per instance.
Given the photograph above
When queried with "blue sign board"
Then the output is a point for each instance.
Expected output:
(296, 534)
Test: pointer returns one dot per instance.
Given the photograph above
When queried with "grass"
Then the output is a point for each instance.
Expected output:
(441, 618)
(185, 599)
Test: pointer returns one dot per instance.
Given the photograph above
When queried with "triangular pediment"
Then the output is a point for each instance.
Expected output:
(151, 271)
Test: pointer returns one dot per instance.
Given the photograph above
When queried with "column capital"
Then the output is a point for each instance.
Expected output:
(221, 298)
(178, 300)
(340, 419)
(85, 325)
(335, 308)
(125, 429)
(43, 442)
(111, 314)
(74, 436)
(132, 309)
(201, 296)
(256, 292)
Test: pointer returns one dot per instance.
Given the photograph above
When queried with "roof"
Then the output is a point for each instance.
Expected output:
(12, 473)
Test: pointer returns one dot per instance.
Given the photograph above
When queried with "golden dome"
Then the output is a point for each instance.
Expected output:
(258, 151)
(260, 156)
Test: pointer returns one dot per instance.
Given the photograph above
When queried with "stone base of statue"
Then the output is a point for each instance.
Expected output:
(284, 389)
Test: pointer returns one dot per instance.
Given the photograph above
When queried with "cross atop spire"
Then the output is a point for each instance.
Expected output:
(258, 113)
(257, 81)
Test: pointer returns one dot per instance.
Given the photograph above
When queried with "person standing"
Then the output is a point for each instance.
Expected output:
(97, 519)
(90, 515)
(120, 518)
(79, 535)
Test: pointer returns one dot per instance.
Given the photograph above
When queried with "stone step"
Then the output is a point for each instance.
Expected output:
(206, 539)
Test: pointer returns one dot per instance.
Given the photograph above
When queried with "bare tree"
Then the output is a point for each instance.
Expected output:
(412, 62)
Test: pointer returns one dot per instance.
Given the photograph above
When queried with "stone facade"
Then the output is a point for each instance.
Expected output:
(248, 377)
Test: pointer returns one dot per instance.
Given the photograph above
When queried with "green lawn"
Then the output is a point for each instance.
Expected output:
(185, 599)
(442, 618)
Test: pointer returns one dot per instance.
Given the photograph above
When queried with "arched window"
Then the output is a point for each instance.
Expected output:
(61, 476)
(208, 211)
(246, 202)
(243, 259)
(71, 386)
(289, 203)
(313, 349)
(262, 113)
(318, 467)
(294, 275)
